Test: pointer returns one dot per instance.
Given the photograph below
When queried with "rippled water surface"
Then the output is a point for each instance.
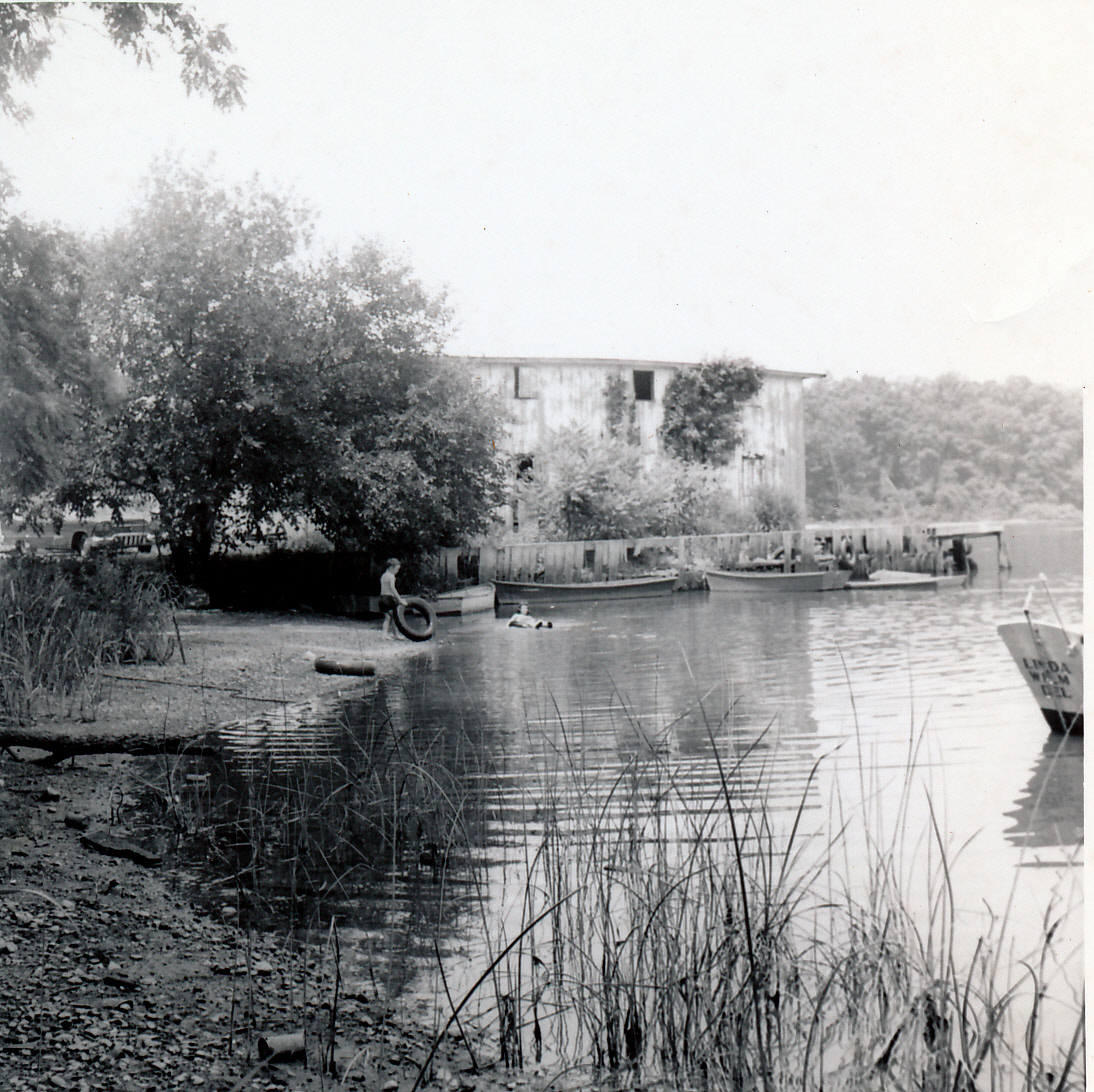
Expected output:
(823, 698)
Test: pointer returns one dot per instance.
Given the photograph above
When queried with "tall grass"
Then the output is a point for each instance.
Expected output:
(60, 621)
(709, 942)
(699, 937)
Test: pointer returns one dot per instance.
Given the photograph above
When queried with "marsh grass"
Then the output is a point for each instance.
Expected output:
(712, 943)
(60, 621)
(663, 933)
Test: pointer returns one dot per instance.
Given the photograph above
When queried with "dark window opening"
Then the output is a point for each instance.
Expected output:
(525, 383)
(643, 386)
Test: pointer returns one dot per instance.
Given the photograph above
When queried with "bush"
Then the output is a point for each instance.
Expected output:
(61, 620)
(773, 511)
(588, 488)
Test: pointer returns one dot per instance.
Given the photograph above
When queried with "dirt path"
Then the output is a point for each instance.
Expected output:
(112, 978)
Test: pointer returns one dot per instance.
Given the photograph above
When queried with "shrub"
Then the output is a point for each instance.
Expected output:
(772, 511)
(61, 620)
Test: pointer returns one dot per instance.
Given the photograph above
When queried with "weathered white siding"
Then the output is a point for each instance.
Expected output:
(546, 394)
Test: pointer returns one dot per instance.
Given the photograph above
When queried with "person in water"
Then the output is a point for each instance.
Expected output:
(523, 620)
(390, 599)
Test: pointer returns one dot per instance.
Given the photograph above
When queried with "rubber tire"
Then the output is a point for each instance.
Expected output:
(419, 606)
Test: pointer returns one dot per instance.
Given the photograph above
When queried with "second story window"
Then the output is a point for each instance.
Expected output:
(643, 386)
(525, 383)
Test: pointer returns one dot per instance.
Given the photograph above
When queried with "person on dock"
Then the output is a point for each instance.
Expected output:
(523, 620)
(390, 599)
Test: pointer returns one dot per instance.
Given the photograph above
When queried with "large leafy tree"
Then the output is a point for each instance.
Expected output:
(263, 384)
(49, 375)
(703, 408)
(28, 33)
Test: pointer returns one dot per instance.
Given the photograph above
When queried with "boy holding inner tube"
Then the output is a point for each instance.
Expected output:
(390, 599)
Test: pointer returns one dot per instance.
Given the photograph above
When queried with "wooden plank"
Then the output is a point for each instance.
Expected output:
(573, 562)
(555, 563)
(488, 563)
(617, 557)
(599, 558)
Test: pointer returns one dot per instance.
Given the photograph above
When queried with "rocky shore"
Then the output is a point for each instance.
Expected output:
(114, 978)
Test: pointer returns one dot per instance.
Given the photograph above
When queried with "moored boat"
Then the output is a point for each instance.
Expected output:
(1050, 659)
(512, 593)
(777, 582)
(894, 580)
(475, 599)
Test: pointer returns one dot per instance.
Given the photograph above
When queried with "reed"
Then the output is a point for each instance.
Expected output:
(660, 934)
(60, 621)
(713, 943)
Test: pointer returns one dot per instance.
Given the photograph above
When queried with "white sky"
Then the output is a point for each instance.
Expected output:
(902, 190)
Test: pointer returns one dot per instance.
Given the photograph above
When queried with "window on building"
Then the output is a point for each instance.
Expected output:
(525, 382)
(643, 386)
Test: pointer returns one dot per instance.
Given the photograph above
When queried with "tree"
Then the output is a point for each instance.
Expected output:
(262, 384)
(703, 407)
(28, 33)
(944, 448)
(47, 368)
(48, 374)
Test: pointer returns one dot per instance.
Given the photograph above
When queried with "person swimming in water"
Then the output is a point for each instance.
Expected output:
(523, 620)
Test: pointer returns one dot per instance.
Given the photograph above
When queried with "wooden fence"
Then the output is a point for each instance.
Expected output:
(889, 546)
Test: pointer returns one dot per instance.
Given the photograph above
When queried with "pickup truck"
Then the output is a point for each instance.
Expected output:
(130, 534)
(83, 537)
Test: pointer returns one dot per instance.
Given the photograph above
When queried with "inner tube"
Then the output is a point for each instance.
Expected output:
(328, 666)
(410, 627)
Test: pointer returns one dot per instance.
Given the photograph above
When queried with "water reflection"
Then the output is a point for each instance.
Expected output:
(1049, 812)
(498, 733)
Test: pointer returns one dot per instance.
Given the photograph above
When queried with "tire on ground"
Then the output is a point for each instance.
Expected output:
(415, 619)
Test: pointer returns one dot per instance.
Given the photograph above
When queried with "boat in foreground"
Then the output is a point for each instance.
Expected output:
(779, 582)
(896, 580)
(475, 599)
(512, 593)
(1050, 659)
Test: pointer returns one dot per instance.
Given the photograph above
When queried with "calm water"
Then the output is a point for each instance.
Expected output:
(857, 681)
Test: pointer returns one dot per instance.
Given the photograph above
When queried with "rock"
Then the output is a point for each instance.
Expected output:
(49, 796)
(77, 822)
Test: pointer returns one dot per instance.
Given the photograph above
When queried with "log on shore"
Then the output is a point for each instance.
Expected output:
(65, 739)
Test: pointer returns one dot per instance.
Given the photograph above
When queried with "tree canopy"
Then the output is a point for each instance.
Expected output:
(950, 447)
(703, 407)
(28, 33)
(263, 384)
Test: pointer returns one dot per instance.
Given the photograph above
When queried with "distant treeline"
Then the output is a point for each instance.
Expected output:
(946, 448)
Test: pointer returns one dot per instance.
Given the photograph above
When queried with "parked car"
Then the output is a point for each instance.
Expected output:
(79, 536)
(129, 534)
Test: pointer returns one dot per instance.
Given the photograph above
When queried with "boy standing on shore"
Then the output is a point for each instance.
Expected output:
(390, 598)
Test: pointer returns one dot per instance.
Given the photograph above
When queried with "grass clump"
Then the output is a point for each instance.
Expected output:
(60, 621)
(707, 943)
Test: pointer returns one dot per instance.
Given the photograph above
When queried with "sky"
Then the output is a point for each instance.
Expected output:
(900, 190)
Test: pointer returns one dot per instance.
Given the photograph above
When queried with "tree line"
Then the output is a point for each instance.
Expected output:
(948, 448)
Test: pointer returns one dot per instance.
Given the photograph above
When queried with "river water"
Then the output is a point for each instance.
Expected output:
(839, 700)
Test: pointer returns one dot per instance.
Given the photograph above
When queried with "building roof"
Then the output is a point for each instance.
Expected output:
(607, 362)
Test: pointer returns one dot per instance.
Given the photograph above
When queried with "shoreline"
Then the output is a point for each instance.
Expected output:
(115, 978)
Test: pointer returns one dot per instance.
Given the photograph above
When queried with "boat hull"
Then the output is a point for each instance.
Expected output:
(777, 583)
(892, 580)
(474, 600)
(512, 593)
(1051, 661)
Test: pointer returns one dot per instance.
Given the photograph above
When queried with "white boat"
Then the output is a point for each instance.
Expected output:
(1050, 659)
(513, 593)
(475, 599)
(741, 580)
